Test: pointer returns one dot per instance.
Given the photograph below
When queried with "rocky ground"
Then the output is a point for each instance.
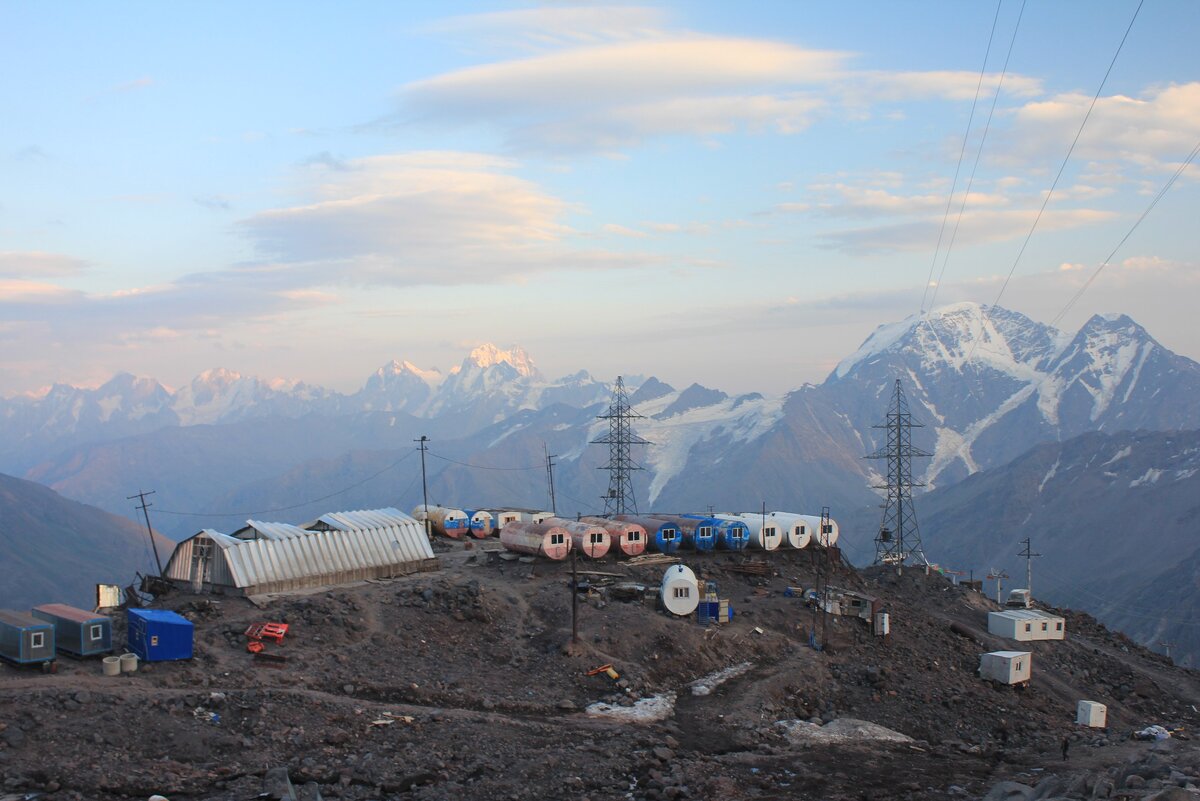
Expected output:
(464, 684)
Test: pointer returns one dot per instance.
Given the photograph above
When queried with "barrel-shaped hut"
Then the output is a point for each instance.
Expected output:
(796, 532)
(679, 593)
(661, 535)
(627, 539)
(730, 533)
(589, 539)
(480, 523)
(538, 539)
(444, 520)
(827, 537)
(765, 532)
(699, 531)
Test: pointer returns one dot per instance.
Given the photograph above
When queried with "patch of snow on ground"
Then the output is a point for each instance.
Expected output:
(1119, 455)
(1180, 475)
(842, 730)
(950, 448)
(705, 685)
(880, 340)
(1049, 474)
(1151, 476)
(644, 710)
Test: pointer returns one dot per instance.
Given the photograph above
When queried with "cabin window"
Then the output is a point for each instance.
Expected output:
(768, 532)
(153, 640)
(96, 631)
(827, 528)
(37, 639)
(668, 534)
(597, 538)
(1045, 627)
(1019, 666)
(635, 536)
(1028, 627)
(1058, 626)
(556, 539)
(682, 592)
(704, 531)
(801, 530)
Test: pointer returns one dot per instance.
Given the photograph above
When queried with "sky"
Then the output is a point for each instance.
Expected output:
(734, 194)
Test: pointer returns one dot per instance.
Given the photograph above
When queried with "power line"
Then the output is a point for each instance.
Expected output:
(1063, 166)
(356, 485)
(961, 152)
(1166, 188)
(484, 466)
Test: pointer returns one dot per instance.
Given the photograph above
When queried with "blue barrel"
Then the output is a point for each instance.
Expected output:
(663, 535)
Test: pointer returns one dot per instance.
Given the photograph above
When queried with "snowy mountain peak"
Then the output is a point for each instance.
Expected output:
(395, 369)
(488, 355)
(216, 378)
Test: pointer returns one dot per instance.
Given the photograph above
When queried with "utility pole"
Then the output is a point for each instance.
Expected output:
(999, 576)
(141, 496)
(1168, 645)
(574, 600)
(550, 477)
(826, 529)
(1028, 566)
(424, 485)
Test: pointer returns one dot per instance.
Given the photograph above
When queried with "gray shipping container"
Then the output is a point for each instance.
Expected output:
(77, 631)
(24, 639)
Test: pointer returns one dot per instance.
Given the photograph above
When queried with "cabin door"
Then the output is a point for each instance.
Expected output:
(201, 563)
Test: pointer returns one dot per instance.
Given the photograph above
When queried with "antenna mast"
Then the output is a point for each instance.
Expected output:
(899, 539)
(619, 439)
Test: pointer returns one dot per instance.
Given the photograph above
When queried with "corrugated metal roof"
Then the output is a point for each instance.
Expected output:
(275, 531)
(22, 620)
(365, 518)
(1026, 614)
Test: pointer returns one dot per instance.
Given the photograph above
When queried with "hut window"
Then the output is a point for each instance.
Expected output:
(597, 538)
(668, 534)
(769, 532)
(801, 530)
(1058, 626)
(682, 592)
(1029, 627)
(37, 639)
(1045, 627)
(96, 631)
(1019, 667)
(705, 531)
(556, 539)
(635, 536)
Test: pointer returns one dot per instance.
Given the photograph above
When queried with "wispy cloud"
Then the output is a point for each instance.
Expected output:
(212, 202)
(37, 264)
(145, 82)
(552, 26)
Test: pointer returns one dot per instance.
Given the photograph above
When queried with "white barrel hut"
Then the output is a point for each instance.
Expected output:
(538, 539)
(796, 532)
(766, 534)
(628, 538)
(827, 538)
(591, 540)
(679, 593)
(449, 522)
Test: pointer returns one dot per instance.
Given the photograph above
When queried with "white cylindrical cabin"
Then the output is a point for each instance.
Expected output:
(589, 539)
(628, 538)
(765, 533)
(679, 592)
(826, 538)
(444, 520)
(796, 532)
(539, 539)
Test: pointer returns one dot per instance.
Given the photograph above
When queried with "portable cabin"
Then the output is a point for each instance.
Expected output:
(538, 539)
(448, 522)
(679, 592)
(25, 640)
(589, 539)
(1006, 667)
(796, 532)
(502, 517)
(1091, 713)
(77, 631)
(480, 522)
(661, 535)
(1026, 625)
(766, 533)
(159, 635)
(827, 537)
(536, 517)
(732, 535)
(698, 531)
(629, 539)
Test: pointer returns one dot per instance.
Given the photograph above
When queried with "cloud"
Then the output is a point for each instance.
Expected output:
(550, 26)
(621, 230)
(417, 218)
(144, 82)
(31, 153)
(326, 159)
(16, 290)
(212, 202)
(1156, 130)
(976, 227)
(16, 264)
(851, 200)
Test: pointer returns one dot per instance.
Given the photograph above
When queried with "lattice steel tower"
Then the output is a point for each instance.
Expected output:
(620, 438)
(899, 539)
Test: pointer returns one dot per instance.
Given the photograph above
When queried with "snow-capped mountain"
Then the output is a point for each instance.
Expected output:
(224, 396)
(990, 383)
(399, 386)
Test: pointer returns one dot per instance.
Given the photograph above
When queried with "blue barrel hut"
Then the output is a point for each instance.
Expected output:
(662, 535)
(699, 531)
(25, 640)
(77, 631)
(159, 635)
(732, 535)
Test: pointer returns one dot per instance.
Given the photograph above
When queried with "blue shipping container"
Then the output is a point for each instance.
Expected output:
(157, 635)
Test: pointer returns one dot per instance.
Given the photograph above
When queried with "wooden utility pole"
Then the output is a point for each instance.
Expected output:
(141, 496)
(424, 486)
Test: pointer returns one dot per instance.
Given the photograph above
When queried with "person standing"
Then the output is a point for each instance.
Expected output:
(1066, 747)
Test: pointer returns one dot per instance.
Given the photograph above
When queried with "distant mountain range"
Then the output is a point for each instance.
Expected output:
(989, 384)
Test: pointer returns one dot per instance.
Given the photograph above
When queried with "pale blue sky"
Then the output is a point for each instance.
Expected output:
(735, 194)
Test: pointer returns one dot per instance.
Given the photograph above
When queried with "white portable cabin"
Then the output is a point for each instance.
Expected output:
(679, 592)
(628, 538)
(502, 517)
(589, 539)
(1026, 625)
(1006, 667)
(796, 531)
(449, 522)
(1091, 713)
(766, 533)
(537, 539)
(827, 538)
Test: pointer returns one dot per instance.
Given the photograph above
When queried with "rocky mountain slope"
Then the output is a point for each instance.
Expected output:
(53, 550)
